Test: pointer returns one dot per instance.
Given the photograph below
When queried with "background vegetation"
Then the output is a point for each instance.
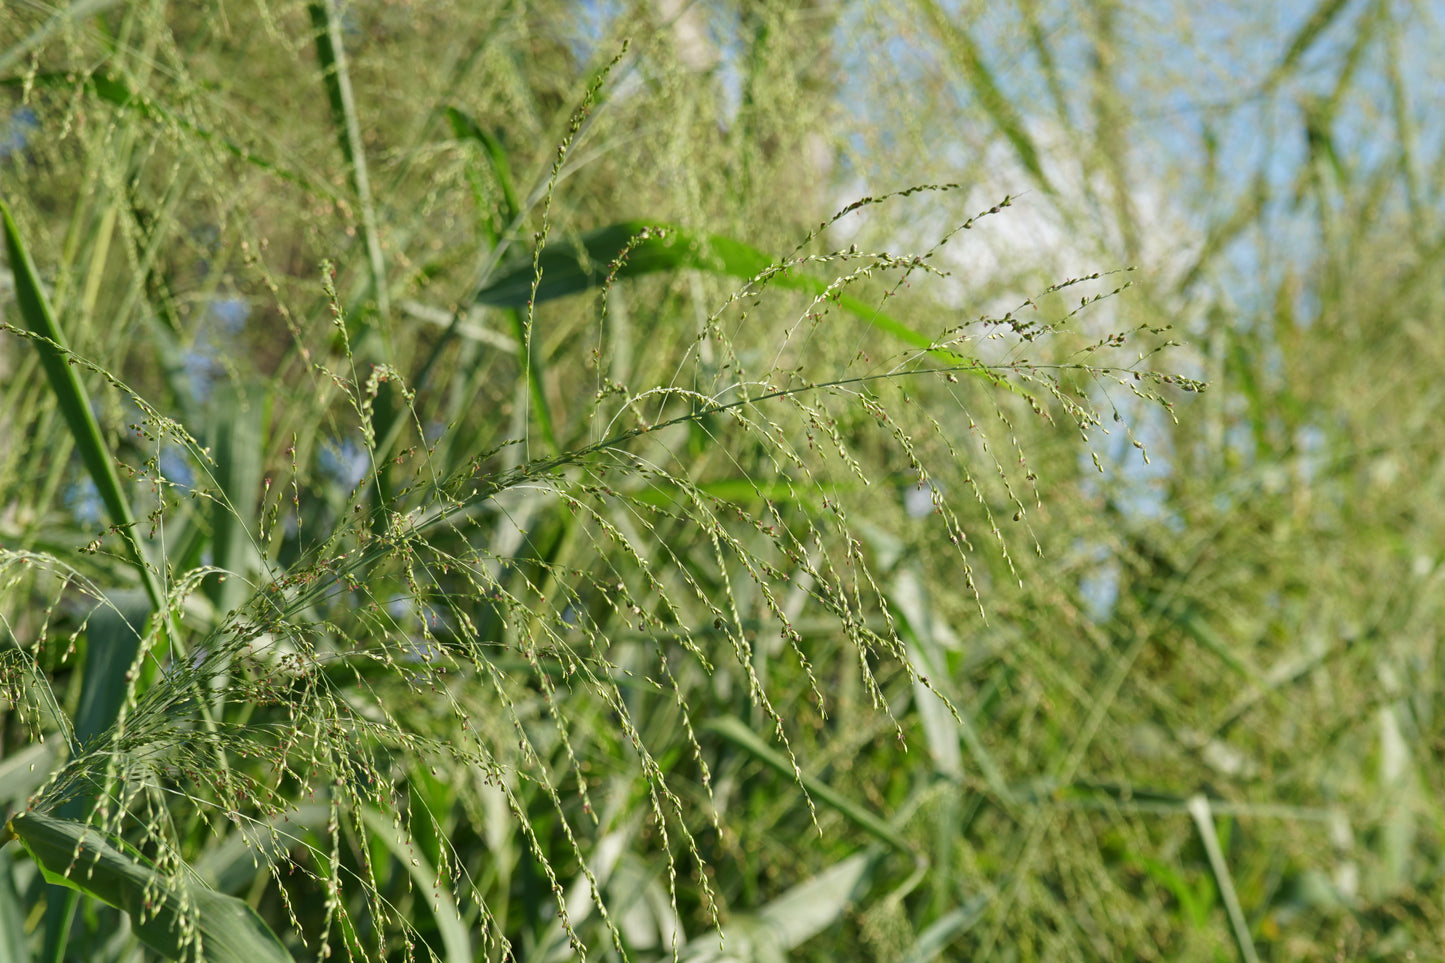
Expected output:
(547, 481)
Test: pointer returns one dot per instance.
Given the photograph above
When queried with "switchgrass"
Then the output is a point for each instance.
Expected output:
(578, 550)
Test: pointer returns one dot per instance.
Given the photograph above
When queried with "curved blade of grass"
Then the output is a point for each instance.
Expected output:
(74, 402)
(1196, 902)
(102, 691)
(740, 734)
(577, 123)
(1319, 21)
(931, 943)
(426, 880)
(968, 57)
(945, 723)
(1204, 822)
(465, 127)
(372, 331)
(810, 907)
(785, 923)
(569, 268)
(168, 915)
(666, 493)
(236, 440)
(237, 444)
(495, 229)
(325, 19)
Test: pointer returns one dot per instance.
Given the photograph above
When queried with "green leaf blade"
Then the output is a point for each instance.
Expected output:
(172, 916)
(73, 400)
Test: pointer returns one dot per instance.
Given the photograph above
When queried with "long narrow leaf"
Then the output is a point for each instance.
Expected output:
(325, 19)
(171, 916)
(236, 441)
(788, 921)
(426, 880)
(569, 268)
(115, 634)
(1204, 822)
(933, 940)
(1318, 22)
(968, 57)
(737, 732)
(74, 401)
(464, 126)
(944, 723)
(12, 921)
(817, 903)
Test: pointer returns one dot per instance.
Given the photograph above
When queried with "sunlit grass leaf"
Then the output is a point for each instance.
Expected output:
(1195, 901)
(788, 921)
(645, 248)
(630, 249)
(336, 77)
(1199, 810)
(934, 940)
(426, 880)
(169, 915)
(237, 442)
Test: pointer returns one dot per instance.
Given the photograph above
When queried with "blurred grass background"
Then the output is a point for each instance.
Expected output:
(485, 705)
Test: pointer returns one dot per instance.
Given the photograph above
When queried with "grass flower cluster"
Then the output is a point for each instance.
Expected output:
(464, 498)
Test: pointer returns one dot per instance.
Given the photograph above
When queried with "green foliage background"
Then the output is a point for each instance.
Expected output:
(547, 481)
